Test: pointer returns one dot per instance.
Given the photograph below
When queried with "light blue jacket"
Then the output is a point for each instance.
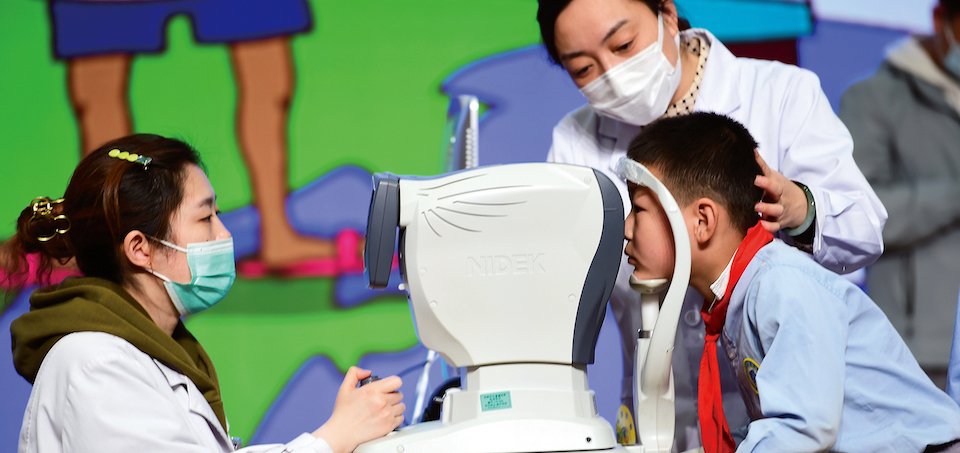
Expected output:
(821, 368)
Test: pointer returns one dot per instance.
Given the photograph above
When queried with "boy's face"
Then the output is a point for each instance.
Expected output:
(650, 247)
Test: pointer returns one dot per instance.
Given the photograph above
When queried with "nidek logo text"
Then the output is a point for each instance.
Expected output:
(499, 265)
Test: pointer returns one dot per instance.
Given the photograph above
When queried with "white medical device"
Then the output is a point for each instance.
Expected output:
(653, 391)
(509, 269)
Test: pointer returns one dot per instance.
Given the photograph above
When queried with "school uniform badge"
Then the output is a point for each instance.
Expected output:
(626, 431)
(750, 369)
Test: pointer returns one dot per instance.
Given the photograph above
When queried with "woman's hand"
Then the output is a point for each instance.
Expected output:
(784, 204)
(364, 413)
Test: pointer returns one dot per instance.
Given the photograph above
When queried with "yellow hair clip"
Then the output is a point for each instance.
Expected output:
(130, 157)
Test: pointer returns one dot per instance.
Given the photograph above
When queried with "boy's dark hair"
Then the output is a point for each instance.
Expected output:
(704, 155)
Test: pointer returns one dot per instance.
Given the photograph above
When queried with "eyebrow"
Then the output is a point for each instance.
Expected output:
(207, 201)
(609, 34)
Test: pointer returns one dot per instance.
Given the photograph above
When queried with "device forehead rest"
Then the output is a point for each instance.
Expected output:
(636, 173)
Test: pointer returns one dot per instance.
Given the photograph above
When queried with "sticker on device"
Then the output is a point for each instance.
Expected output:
(495, 401)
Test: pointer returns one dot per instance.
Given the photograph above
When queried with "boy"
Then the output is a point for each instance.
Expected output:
(818, 364)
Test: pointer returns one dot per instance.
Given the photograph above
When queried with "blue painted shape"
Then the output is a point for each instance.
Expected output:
(525, 95)
(340, 199)
(748, 20)
(842, 53)
(353, 290)
(336, 201)
(304, 404)
(16, 390)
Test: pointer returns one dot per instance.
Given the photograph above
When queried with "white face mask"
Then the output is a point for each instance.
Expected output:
(638, 90)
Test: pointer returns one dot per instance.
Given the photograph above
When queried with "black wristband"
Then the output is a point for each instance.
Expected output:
(804, 234)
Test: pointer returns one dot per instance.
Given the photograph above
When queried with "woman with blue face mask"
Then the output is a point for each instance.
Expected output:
(633, 64)
(905, 121)
(112, 365)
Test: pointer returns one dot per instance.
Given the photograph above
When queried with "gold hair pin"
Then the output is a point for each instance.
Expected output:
(43, 211)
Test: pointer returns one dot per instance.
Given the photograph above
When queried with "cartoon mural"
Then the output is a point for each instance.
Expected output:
(372, 84)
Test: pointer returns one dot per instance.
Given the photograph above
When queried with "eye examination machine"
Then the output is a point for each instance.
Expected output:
(508, 270)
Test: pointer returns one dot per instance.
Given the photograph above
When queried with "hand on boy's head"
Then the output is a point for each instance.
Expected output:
(784, 204)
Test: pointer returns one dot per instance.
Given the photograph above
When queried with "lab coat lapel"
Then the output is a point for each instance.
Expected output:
(720, 90)
(196, 403)
(615, 138)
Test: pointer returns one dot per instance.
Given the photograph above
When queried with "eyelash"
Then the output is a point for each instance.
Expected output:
(210, 217)
(625, 46)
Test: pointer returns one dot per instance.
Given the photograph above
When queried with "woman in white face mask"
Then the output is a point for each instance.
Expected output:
(633, 64)
(113, 367)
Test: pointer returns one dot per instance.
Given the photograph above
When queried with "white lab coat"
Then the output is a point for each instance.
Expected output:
(798, 134)
(96, 392)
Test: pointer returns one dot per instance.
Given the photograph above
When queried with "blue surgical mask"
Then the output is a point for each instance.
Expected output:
(951, 61)
(212, 272)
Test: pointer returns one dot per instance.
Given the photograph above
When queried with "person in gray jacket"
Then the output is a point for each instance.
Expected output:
(905, 122)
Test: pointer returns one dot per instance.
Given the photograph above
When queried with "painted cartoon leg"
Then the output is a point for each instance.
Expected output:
(346, 261)
(264, 72)
(98, 88)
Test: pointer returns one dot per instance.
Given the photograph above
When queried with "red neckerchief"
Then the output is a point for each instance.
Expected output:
(714, 432)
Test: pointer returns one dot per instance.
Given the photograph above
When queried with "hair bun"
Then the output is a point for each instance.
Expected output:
(43, 226)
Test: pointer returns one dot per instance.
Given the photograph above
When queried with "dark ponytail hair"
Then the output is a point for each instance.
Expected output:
(107, 197)
(549, 10)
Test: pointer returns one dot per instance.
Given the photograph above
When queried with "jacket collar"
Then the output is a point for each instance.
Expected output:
(716, 95)
(909, 56)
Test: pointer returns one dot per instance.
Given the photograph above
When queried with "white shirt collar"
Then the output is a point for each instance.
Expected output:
(719, 287)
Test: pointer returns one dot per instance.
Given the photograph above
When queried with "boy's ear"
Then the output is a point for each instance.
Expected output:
(706, 213)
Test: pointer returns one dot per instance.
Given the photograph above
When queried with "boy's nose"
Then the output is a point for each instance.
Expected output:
(628, 228)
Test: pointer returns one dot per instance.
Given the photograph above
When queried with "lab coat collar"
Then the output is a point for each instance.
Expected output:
(196, 403)
(719, 91)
